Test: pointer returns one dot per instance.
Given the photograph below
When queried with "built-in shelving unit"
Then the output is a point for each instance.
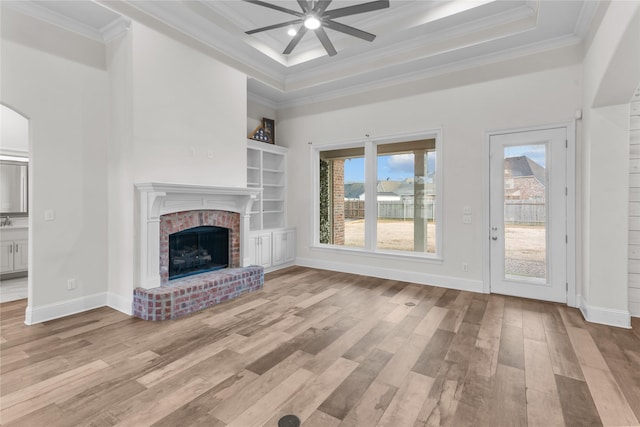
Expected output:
(272, 244)
(266, 169)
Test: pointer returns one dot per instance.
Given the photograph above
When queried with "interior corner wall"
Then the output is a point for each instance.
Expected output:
(178, 116)
(65, 98)
(256, 112)
(516, 93)
(611, 75)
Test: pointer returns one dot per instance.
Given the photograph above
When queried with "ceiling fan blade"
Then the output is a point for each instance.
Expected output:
(321, 6)
(358, 8)
(349, 30)
(326, 43)
(304, 5)
(294, 41)
(276, 7)
(274, 26)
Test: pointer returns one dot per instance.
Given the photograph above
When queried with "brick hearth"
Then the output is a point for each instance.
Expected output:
(190, 294)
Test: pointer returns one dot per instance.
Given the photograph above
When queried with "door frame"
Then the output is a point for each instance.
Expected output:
(571, 269)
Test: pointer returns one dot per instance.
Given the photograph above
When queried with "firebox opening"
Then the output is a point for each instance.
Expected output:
(197, 250)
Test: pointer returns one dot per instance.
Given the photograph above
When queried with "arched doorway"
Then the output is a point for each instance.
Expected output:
(14, 205)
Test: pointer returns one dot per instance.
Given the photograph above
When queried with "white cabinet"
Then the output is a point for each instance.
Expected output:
(272, 249)
(14, 251)
(284, 246)
(266, 169)
(260, 249)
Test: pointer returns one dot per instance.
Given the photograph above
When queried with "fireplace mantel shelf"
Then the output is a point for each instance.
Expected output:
(161, 187)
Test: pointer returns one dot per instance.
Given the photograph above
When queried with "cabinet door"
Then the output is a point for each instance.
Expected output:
(21, 255)
(283, 247)
(260, 249)
(265, 250)
(290, 246)
(6, 257)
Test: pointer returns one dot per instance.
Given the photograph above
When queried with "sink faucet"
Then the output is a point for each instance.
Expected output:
(6, 222)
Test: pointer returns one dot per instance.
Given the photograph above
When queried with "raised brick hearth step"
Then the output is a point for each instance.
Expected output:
(190, 294)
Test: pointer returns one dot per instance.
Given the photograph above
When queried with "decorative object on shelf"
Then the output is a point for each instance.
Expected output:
(265, 132)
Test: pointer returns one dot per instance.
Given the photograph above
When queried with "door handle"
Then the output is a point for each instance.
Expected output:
(494, 237)
(493, 231)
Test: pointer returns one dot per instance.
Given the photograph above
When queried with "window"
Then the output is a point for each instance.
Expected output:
(380, 196)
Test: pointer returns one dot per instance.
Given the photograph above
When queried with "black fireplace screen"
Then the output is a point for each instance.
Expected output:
(197, 250)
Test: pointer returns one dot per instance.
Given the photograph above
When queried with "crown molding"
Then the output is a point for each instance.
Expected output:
(116, 29)
(261, 100)
(410, 77)
(583, 22)
(34, 10)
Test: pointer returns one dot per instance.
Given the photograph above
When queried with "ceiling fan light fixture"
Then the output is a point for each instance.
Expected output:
(311, 22)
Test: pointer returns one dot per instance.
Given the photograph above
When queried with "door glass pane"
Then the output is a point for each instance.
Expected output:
(342, 197)
(525, 211)
(406, 196)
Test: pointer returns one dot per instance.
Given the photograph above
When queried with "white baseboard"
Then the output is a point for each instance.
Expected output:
(123, 305)
(634, 301)
(64, 308)
(604, 316)
(393, 274)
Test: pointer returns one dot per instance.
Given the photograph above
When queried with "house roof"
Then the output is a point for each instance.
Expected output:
(521, 166)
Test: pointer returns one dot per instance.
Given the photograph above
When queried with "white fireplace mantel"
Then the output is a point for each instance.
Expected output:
(156, 199)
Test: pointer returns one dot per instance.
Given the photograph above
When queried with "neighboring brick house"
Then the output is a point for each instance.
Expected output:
(524, 179)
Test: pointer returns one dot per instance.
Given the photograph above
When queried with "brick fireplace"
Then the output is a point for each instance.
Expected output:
(164, 209)
(180, 221)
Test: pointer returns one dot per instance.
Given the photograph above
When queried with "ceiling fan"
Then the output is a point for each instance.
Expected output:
(316, 17)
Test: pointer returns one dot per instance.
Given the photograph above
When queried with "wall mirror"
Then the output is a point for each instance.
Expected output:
(13, 187)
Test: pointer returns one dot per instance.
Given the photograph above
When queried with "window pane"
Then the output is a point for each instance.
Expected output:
(525, 243)
(342, 197)
(406, 196)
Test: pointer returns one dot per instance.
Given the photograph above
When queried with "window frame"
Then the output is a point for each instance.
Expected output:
(370, 173)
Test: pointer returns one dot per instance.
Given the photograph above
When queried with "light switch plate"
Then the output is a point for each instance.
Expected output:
(49, 215)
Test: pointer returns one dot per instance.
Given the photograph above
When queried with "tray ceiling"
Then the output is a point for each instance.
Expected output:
(413, 37)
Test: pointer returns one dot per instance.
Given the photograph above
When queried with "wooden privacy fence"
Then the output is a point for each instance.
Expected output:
(524, 213)
(354, 209)
(515, 211)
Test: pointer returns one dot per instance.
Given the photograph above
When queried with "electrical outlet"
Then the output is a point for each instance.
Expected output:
(466, 219)
(465, 266)
(71, 284)
(49, 215)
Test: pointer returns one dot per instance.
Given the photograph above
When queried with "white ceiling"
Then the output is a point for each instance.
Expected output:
(414, 38)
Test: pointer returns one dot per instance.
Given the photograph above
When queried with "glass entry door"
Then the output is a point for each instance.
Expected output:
(528, 214)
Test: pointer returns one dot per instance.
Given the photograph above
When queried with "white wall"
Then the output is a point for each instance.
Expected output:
(178, 116)
(541, 89)
(64, 95)
(611, 75)
(255, 112)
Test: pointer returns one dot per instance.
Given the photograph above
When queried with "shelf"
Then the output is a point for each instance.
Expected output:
(266, 170)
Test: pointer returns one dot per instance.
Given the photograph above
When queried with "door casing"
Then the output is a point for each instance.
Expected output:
(570, 208)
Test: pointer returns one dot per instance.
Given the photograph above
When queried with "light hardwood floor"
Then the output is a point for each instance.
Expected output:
(333, 349)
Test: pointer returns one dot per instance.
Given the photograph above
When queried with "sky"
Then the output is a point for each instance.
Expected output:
(535, 152)
(395, 168)
(400, 166)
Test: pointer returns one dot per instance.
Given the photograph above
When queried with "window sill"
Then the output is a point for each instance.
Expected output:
(398, 255)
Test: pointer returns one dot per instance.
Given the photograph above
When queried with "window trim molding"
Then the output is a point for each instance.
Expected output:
(369, 144)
